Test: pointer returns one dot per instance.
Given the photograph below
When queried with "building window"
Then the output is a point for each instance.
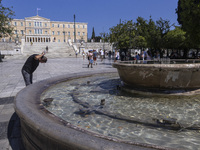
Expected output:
(15, 23)
(29, 24)
(58, 26)
(21, 23)
(58, 32)
(22, 32)
(52, 25)
(68, 26)
(45, 24)
(40, 31)
(73, 33)
(78, 26)
(63, 25)
(35, 24)
(38, 24)
(58, 40)
(45, 32)
(79, 34)
(83, 33)
(83, 26)
(30, 32)
(53, 33)
(68, 33)
(15, 31)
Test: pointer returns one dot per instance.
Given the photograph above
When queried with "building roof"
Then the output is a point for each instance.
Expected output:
(37, 18)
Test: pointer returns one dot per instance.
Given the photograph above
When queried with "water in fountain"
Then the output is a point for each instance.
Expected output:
(163, 121)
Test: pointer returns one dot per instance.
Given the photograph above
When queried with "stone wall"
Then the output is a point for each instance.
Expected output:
(95, 45)
(7, 46)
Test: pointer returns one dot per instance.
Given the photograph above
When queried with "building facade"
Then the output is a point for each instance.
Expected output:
(39, 29)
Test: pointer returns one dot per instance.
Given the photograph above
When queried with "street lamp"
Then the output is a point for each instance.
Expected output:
(74, 29)
(64, 32)
(64, 35)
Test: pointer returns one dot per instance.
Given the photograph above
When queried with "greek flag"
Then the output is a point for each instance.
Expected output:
(37, 10)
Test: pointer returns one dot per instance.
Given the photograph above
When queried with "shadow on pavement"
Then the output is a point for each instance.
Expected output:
(14, 133)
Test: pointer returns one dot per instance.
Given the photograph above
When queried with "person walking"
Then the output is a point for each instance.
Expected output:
(95, 57)
(102, 54)
(47, 48)
(90, 57)
(31, 65)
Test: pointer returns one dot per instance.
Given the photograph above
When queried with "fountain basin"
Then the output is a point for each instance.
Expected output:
(160, 76)
(43, 130)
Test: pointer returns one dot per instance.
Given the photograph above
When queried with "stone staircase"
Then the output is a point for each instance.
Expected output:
(55, 50)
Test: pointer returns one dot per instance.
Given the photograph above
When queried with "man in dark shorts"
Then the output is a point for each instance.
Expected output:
(31, 65)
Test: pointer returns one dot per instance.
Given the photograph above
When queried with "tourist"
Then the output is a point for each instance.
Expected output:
(90, 57)
(83, 55)
(148, 55)
(142, 55)
(137, 56)
(95, 56)
(47, 49)
(116, 57)
(102, 54)
(123, 55)
(31, 65)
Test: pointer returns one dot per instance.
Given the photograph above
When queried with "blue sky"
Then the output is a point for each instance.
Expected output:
(100, 14)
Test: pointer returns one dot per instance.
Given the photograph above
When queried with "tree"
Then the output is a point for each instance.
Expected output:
(188, 12)
(93, 34)
(140, 42)
(176, 39)
(5, 20)
(122, 35)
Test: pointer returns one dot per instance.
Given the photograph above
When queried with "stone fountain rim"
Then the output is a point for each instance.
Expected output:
(31, 112)
(174, 66)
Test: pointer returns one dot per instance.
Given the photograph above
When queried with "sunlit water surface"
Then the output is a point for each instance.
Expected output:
(185, 110)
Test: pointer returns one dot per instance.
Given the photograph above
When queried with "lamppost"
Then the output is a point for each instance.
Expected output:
(64, 32)
(0, 57)
(74, 29)
(64, 35)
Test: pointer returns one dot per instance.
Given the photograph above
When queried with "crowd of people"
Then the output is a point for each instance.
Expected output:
(33, 61)
(92, 56)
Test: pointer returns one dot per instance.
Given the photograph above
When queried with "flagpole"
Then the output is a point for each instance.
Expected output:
(37, 10)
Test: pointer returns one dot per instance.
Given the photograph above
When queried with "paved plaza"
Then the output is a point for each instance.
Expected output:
(11, 82)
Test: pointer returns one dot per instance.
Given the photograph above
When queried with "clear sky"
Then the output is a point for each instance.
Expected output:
(100, 14)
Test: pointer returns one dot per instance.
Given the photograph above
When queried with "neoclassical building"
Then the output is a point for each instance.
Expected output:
(39, 29)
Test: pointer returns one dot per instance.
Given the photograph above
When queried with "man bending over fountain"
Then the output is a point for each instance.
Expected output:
(31, 65)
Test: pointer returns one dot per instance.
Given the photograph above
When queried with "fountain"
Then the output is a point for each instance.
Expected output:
(170, 77)
(90, 111)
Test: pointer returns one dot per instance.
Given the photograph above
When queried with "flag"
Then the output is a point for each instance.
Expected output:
(37, 10)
